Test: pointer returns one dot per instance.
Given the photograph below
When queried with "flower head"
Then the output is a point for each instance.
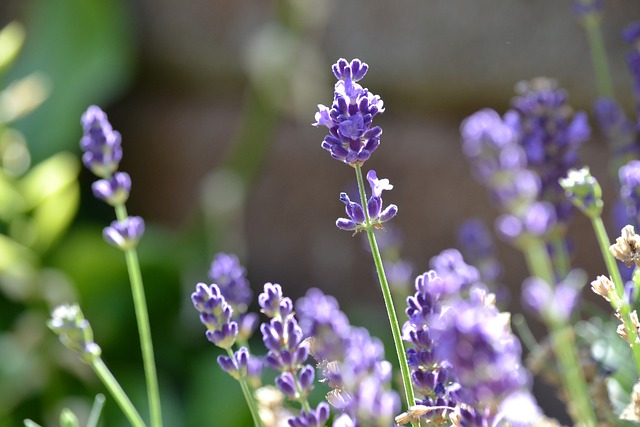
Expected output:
(74, 331)
(215, 314)
(231, 277)
(114, 190)
(351, 137)
(124, 234)
(584, 191)
(357, 220)
(100, 143)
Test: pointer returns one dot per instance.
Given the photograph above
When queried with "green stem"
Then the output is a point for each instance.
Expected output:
(144, 330)
(386, 294)
(249, 397)
(614, 272)
(96, 410)
(117, 393)
(591, 24)
(563, 341)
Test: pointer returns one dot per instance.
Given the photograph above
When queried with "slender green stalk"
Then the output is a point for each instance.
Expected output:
(117, 393)
(563, 342)
(144, 330)
(386, 294)
(561, 261)
(249, 397)
(96, 410)
(591, 24)
(614, 272)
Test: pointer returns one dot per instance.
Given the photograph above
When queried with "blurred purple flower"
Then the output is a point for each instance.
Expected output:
(124, 234)
(100, 143)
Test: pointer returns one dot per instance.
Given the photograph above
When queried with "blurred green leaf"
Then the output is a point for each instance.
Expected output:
(11, 39)
(86, 50)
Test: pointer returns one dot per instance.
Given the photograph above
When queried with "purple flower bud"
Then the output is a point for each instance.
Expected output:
(286, 383)
(124, 234)
(100, 143)
(306, 377)
(115, 190)
(344, 70)
(236, 366)
(270, 299)
(231, 277)
(314, 418)
(215, 314)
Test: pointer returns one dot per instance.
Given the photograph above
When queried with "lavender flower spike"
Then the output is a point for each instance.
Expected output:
(351, 138)
(124, 234)
(100, 143)
(357, 220)
(215, 314)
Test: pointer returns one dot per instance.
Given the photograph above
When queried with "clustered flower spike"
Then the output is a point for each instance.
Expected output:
(286, 345)
(357, 220)
(231, 278)
(352, 364)
(74, 331)
(215, 314)
(629, 177)
(100, 143)
(102, 147)
(465, 362)
(351, 138)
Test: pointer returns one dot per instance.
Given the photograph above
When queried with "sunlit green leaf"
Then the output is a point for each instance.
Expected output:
(11, 39)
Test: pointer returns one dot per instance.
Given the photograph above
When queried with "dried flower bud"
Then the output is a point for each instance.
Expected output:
(626, 247)
(603, 286)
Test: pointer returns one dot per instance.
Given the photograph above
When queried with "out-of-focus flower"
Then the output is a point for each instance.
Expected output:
(124, 234)
(100, 143)
(584, 191)
(74, 331)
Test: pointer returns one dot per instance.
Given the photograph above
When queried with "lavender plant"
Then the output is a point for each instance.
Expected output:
(462, 365)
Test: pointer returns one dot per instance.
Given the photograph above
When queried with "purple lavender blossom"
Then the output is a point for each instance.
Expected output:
(231, 277)
(285, 342)
(124, 234)
(114, 190)
(584, 8)
(478, 247)
(236, 366)
(491, 144)
(100, 143)
(619, 131)
(476, 339)
(555, 304)
(352, 364)
(550, 134)
(351, 138)
(631, 35)
(357, 220)
(538, 222)
(456, 275)
(215, 314)
(314, 418)
(629, 176)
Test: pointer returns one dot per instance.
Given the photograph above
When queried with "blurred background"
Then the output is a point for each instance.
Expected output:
(214, 100)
